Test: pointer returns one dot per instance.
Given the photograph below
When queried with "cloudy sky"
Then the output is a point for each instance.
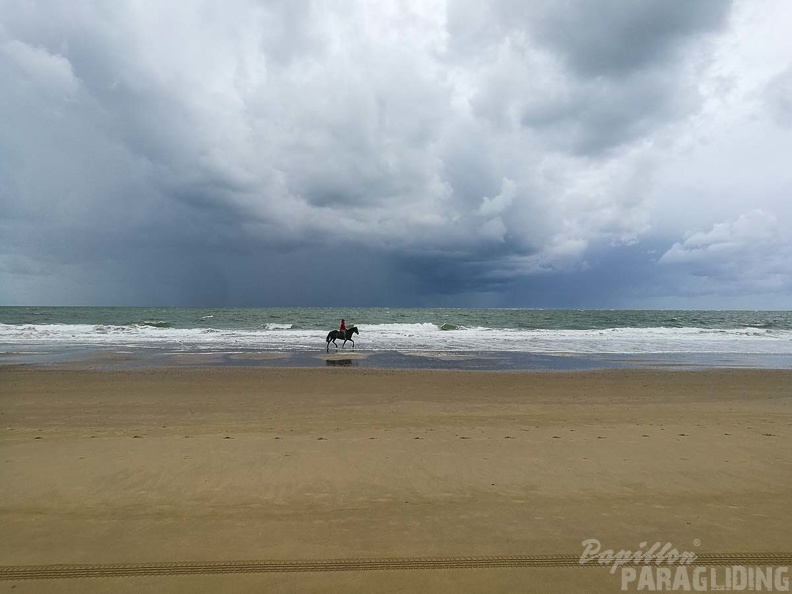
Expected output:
(567, 153)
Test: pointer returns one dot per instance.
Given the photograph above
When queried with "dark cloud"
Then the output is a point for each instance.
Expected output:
(601, 114)
(614, 38)
(587, 77)
(467, 153)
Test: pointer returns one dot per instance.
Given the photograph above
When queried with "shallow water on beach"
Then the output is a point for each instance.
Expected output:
(439, 338)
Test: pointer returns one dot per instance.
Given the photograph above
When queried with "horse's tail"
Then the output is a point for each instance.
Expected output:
(329, 334)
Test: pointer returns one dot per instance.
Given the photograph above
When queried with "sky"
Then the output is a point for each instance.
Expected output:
(399, 153)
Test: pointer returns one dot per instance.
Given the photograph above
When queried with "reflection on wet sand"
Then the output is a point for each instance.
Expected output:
(340, 362)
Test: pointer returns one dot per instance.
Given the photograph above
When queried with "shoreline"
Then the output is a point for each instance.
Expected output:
(491, 360)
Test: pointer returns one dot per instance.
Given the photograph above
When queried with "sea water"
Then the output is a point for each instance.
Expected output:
(762, 338)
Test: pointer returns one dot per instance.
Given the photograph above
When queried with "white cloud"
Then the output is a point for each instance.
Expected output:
(495, 206)
(750, 252)
(726, 240)
(778, 94)
(49, 73)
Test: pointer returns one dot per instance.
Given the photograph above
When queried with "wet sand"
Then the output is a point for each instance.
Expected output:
(223, 464)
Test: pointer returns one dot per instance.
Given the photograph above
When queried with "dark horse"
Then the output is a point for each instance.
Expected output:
(345, 335)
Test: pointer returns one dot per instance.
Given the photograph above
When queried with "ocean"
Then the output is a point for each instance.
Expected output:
(709, 338)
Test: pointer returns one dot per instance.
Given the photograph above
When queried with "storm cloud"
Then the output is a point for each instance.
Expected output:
(503, 153)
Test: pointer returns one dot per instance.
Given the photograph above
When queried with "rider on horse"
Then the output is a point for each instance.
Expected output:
(342, 332)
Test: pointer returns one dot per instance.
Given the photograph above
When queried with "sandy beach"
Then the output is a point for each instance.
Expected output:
(227, 464)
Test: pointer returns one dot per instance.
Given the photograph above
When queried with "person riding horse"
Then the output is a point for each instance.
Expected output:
(346, 334)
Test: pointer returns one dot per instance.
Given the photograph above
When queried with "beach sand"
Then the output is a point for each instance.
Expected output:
(222, 464)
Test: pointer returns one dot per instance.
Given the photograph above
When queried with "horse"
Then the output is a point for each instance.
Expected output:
(331, 337)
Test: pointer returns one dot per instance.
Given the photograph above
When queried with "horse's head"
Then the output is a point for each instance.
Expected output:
(355, 330)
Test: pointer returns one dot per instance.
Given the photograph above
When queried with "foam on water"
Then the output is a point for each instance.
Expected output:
(407, 337)
(271, 326)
